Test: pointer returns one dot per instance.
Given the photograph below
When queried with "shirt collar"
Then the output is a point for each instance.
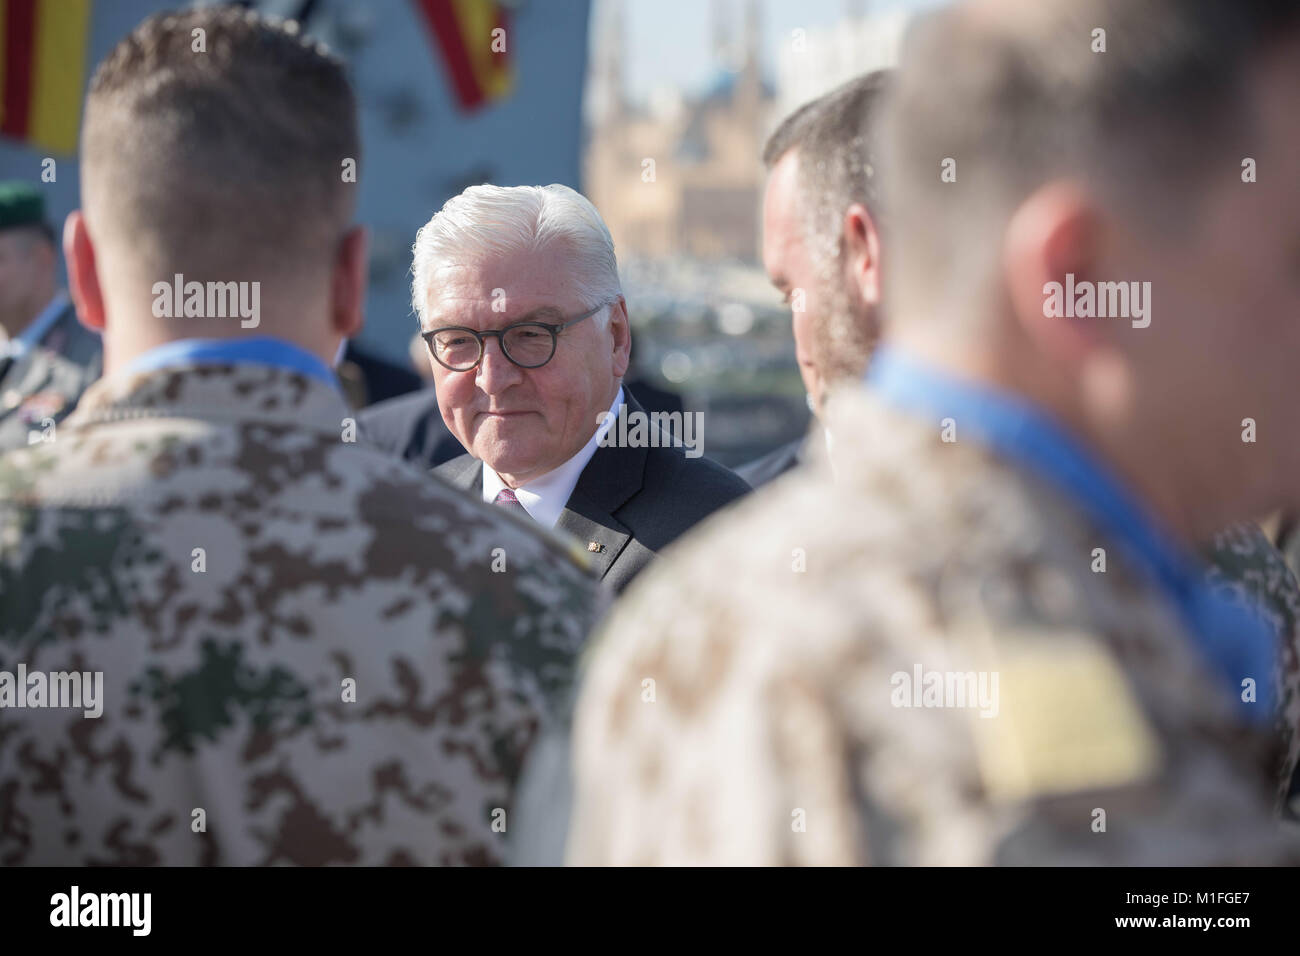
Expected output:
(544, 498)
(37, 329)
(257, 351)
(1233, 641)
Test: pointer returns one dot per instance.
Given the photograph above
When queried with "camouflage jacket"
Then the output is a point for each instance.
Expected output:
(805, 683)
(310, 653)
(1245, 565)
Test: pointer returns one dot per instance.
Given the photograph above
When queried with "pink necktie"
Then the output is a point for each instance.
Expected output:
(506, 499)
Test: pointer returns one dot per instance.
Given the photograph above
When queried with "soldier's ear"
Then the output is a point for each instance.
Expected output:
(1053, 234)
(860, 240)
(83, 279)
(348, 283)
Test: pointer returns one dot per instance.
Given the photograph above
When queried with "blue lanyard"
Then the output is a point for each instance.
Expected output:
(257, 351)
(1233, 640)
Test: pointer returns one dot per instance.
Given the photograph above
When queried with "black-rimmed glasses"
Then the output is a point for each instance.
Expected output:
(527, 344)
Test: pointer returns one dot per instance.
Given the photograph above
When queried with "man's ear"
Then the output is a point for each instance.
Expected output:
(1053, 234)
(83, 279)
(348, 283)
(621, 330)
(861, 244)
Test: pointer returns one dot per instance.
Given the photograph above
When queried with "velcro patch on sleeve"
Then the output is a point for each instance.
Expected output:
(1067, 720)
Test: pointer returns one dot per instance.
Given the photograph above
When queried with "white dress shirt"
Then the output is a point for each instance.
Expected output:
(545, 497)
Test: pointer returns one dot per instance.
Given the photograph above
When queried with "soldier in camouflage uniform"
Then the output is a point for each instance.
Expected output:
(1245, 566)
(47, 358)
(769, 696)
(774, 733)
(311, 653)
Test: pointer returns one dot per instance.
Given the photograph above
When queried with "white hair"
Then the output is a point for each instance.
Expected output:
(498, 221)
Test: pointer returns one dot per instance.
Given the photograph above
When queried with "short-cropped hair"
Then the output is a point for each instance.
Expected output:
(1013, 95)
(833, 136)
(217, 138)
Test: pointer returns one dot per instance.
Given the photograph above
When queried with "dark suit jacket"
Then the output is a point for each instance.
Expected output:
(384, 380)
(410, 427)
(629, 502)
(772, 465)
(652, 397)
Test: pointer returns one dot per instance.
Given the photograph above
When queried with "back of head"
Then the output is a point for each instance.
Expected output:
(1113, 142)
(215, 144)
(1139, 99)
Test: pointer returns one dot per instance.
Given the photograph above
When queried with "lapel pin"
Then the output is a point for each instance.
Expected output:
(596, 547)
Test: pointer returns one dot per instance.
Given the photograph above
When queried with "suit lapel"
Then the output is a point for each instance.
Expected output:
(612, 476)
(603, 538)
(464, 472)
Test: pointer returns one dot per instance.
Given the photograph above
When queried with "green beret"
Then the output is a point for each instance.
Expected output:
(21, 204)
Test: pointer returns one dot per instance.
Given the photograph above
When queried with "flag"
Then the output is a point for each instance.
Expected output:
(42, 69)
(476, 57)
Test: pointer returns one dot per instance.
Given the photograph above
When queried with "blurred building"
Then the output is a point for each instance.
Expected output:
(451, 93)
(681, 176)
(814, 61)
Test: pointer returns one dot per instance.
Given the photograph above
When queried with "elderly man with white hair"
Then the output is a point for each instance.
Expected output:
(519, 302)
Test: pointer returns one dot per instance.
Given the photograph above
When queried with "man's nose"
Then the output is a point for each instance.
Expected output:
(496, 372)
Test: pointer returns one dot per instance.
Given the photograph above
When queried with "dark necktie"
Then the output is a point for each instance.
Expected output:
(506, 499)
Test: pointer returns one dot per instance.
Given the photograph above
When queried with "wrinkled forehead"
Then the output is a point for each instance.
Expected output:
(495, 291)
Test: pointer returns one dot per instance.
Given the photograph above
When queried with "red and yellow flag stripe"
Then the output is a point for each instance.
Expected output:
(42, 70)
(462, 30)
